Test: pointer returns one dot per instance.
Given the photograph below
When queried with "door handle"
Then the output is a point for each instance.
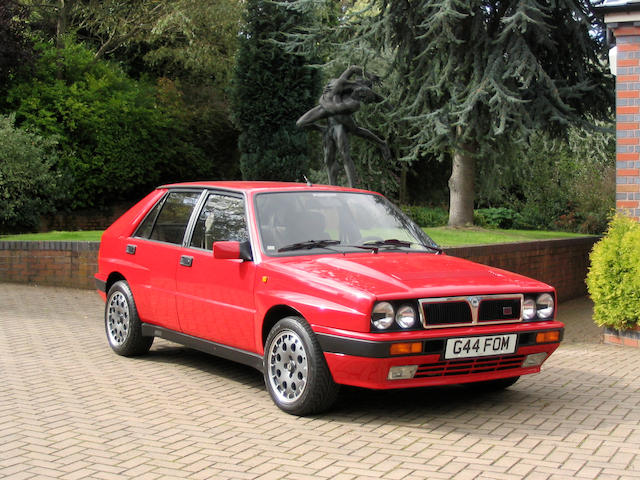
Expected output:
(186, 261)
(131, 249)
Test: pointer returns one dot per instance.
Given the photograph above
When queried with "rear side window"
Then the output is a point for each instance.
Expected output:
(172, 220)
(144, 229)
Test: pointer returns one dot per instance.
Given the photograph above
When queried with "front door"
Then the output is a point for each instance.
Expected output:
(215, 296)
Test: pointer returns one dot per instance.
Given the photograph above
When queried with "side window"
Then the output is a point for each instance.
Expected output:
(174, 216)
(144, 229)
(222, 219)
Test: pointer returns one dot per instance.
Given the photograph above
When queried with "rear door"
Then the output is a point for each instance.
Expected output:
(156, 249)
(215, 296)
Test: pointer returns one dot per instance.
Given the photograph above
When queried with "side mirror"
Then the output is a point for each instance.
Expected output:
(232, 251)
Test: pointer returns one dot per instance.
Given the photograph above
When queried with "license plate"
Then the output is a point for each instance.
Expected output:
(468, 347)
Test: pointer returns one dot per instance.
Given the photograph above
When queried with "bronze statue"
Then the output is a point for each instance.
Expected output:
(340, 99)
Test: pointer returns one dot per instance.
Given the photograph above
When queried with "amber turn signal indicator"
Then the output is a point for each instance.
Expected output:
(405, 348)
(548, 337)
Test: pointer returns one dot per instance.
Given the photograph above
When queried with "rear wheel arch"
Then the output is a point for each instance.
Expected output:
(113, 278)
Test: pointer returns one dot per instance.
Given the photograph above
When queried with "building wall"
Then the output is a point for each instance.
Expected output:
(561, 263)
(628, 120)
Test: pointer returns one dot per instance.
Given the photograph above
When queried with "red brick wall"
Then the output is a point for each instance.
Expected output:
(63, 264)
(561, 263)
(628, 121)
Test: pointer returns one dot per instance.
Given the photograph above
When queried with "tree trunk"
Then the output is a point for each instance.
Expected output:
(61, 23)
(461, 188)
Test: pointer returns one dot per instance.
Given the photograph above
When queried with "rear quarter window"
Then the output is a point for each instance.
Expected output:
(167, 221)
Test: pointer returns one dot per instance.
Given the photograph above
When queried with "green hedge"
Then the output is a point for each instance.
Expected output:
(117, 137)
(614, 277)
(426, 216)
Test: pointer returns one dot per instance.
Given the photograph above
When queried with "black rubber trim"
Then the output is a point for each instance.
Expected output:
(353, 346)
(235, 354)
(101, 285)
(430, 346)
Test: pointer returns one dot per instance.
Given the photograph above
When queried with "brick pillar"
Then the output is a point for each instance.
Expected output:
(628, 120)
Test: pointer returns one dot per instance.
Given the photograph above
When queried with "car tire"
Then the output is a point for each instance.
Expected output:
(493, 385)
(122, 324)
(295, 371)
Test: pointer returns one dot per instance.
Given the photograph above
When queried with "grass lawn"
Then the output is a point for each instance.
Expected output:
(454, 237)
(443, 236)
(80, 236)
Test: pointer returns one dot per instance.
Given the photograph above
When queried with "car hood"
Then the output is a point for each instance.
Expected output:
(403, 274)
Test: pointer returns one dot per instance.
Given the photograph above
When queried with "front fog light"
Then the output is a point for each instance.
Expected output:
(534, 360)
(404, 372)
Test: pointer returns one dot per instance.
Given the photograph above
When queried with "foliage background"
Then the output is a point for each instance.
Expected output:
(28, 185)
(127, 95)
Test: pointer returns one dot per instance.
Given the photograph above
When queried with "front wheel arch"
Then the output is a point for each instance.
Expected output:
(295, 371)
(273, 316)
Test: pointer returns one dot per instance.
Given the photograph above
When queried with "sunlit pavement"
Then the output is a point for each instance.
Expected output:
(70, 408)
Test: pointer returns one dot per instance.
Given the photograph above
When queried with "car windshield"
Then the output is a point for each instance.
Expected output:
(294, 223)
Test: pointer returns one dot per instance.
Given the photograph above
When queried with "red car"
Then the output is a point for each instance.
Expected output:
(316, 287)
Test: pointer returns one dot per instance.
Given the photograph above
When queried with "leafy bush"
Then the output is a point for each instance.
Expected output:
(560, 184)
(426, 216)
(500, 217)
(614, 276)
(28, 188)
(117, 136)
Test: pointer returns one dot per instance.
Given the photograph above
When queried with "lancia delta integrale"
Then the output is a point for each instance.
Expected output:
(316, 287)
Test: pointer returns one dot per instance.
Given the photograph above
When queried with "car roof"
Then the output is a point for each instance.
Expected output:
(260, 186)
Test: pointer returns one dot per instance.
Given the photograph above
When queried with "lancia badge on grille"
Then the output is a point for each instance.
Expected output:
(474, 301)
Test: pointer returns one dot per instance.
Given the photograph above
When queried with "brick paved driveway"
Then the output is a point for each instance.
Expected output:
(70, 408)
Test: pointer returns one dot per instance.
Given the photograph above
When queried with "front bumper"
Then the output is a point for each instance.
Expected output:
(365, 362)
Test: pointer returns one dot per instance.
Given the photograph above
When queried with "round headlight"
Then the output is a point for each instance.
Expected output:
(544, 304)
(529, 309)
(382, 315)
(406, 316)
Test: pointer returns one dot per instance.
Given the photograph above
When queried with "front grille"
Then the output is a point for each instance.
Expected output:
(469, 366)
(447, 313)
(503, 309)
(466, 311)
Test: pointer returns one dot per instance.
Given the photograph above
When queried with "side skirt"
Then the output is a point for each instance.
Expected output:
(241, 356)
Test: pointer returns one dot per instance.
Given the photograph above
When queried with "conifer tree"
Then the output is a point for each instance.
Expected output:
(270, 90)
(472, 75)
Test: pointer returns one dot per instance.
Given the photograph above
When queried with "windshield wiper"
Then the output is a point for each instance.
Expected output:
(394, 242)
(390, 242)
(308, 245)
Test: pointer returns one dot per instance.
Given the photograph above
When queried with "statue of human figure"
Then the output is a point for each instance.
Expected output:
(340, 99)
